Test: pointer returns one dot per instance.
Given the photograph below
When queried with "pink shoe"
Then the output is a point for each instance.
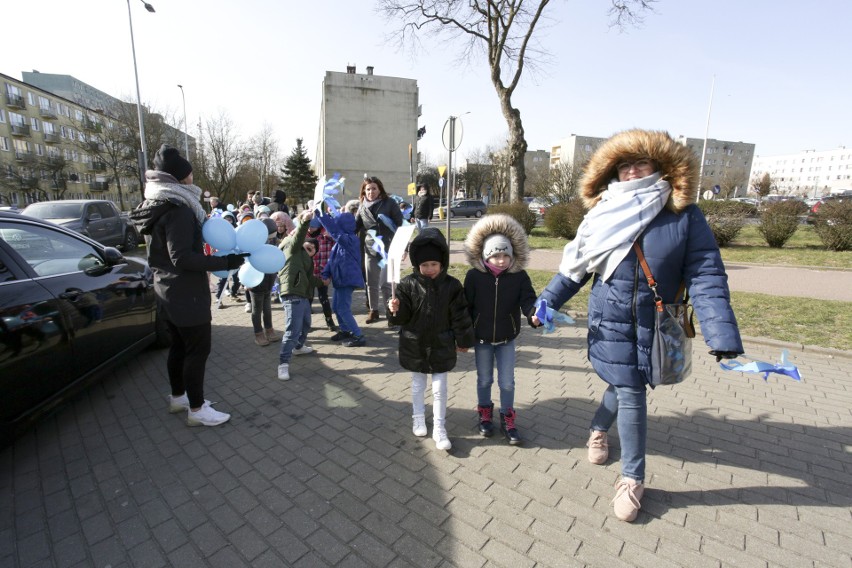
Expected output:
(628, 493)
(598, 447)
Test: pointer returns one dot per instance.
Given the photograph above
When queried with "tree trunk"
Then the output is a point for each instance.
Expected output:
(517, 147)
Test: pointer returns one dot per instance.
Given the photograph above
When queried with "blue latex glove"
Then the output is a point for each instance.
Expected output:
(783, 368)
(548, 317)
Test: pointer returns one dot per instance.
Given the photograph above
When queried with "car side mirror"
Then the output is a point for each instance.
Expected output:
(113, 256)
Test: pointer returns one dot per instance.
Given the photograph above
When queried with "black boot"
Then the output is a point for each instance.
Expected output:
(330, 323)
(486, 426)
(507, 427)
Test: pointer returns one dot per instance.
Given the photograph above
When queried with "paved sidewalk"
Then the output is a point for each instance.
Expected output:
(323, 470)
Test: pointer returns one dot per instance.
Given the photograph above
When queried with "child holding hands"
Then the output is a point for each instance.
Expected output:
(498, 291)
(430, 306)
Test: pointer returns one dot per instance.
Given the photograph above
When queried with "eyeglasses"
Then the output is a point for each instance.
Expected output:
(640, 164)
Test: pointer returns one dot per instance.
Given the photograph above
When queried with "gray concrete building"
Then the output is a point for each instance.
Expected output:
(727, 164)
(575, 150)
(367, 123)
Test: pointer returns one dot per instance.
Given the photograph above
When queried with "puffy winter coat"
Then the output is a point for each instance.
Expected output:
(433, 314)
(497, 302)
(297, 277)
(679, 247)
(424, 206)
(344, 263)
(368, 218)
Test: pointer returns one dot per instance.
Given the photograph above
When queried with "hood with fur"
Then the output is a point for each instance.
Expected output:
(505, 225)
(675, 161)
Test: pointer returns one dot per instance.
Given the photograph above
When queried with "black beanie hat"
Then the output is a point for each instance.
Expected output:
(427, 252)
(169, 160)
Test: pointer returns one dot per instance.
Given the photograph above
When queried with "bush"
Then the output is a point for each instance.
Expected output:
(726, 218)
(833, 224)
(779, 221)
(519, 211)
(563, 219)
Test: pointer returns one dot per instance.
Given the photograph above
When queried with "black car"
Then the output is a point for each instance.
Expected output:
(69, 309)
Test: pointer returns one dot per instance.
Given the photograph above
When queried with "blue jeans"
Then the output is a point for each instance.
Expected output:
(421, 223)
(297, 324)
(629, 406)
(341, 303)
(504, 355)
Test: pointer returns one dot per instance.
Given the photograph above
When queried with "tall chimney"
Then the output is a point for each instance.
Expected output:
(350, 69)
(369, 69)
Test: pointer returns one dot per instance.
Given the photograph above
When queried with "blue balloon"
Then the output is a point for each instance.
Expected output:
(268, 259)
(219, 234)
(222, 273)
(251, 235)
(249, 276)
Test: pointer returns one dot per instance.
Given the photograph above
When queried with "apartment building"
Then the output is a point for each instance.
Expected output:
(809, 173)
(575, 150)
(367, 123)
(727, 164)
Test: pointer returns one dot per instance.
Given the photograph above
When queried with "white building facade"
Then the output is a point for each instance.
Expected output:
(368, 125)
(810, 173)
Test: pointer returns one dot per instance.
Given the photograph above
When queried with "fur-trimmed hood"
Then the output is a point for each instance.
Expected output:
(675, 161)
(505, 225)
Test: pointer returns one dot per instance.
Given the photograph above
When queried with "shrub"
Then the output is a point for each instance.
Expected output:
(833, 224)
(563, 219)
(519, 211)
(726, 219)
(779, 221)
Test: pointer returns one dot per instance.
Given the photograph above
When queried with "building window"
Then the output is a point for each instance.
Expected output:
(31, 99)
(35, 123)
(2, 115)
(39, 150)
(17, 119)
(4, 143)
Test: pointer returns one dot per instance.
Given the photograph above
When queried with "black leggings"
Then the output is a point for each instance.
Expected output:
(187, 360)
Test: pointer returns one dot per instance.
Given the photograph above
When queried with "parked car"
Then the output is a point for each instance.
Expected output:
(98, 219)
(537, 206)
(837, 197)
(747, 200)
(468, 208)
(70, 308)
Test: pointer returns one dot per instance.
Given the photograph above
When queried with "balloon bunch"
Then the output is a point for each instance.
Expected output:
(250, 237)
(548, 318)
(379, 247)
(331, 188)
(783, 368)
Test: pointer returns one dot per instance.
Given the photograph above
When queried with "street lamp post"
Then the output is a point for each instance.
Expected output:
(143, 153)
(185, 128)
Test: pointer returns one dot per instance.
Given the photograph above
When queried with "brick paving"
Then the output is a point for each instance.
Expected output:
(323, 470)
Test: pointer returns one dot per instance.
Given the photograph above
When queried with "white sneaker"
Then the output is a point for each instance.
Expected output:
(206, 416)
(248, 308)
(303, 350)
(419, 427)
(442, 442)
(180, 403)
(284, 372)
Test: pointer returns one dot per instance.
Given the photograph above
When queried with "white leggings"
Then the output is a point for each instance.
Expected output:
(439, 395)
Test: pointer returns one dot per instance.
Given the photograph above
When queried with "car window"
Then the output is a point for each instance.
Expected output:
(50, 252)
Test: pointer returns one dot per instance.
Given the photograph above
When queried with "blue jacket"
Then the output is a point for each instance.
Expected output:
(344, 262)
(678, 247)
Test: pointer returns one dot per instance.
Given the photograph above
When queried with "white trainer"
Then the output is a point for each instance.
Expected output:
(442, 442)
(419, 426)
(206, 416)
(179, 403)
(248, 308)
(284, 372)
(303, 350)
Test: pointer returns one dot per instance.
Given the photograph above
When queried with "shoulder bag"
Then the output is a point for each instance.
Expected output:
(671, 352)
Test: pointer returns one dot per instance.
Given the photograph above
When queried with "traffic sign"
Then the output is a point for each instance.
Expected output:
(453, 133)
(441, 170)
(708, 194)
(716, 189)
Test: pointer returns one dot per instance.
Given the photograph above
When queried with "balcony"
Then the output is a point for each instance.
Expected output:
(47, 112)
(29, 183)
(15, 101)
(95, 147)
(20, 129)
(56, 161)
(96, 166)
(26, 157)
(90, 125)
(98, 185)
(51, 138)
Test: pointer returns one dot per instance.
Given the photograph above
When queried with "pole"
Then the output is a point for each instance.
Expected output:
(450, 172)
(143, 156)
(706, 131)
(185, 127)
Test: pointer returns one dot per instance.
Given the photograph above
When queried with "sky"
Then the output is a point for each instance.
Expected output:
(777, 69)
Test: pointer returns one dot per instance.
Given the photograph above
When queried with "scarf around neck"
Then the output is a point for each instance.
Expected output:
(609, 229)
(189, 195)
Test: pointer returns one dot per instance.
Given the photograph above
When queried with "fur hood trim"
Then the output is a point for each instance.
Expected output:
(505, 225)
(676, 162)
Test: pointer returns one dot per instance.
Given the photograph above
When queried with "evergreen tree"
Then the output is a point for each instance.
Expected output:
(298, 178)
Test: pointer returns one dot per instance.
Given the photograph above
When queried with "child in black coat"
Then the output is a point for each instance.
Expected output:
(430, 306)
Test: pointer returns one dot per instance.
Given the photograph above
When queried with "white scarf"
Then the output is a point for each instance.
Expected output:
(609, 229)
(189, 195)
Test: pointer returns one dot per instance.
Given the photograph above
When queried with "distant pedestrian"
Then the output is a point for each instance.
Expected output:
(424, 206)
(431, 308)
(170, 219)
(498, 292)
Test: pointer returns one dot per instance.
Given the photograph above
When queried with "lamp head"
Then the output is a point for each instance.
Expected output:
(148, 7)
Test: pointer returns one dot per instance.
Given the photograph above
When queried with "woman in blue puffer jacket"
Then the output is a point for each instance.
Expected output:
(640, 186)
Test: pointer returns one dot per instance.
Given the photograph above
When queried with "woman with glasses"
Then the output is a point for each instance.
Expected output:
(379, 212)
(640, 187)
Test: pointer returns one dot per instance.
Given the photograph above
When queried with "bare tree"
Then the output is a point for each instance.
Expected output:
(224, 157)
(264, 156)
(502, 30)
(730, 182)
(559, 185)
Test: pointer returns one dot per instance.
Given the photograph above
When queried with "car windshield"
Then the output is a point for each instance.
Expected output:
(55, 210)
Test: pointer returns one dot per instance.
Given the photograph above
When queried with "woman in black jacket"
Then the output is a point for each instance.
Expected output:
(424, 206)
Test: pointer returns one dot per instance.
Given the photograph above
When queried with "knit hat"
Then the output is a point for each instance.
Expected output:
(427, 252)
(244, 216)
(271, 227)
(496, 244)
(169, 160)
